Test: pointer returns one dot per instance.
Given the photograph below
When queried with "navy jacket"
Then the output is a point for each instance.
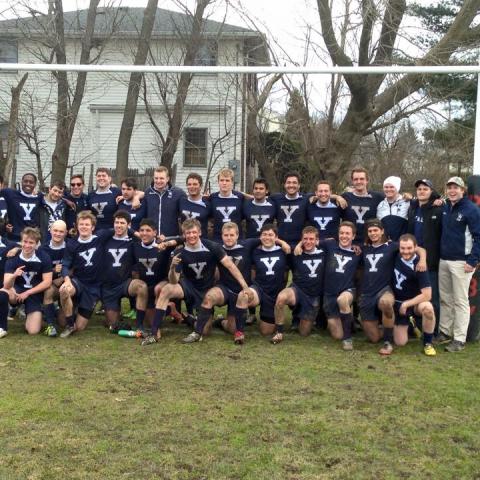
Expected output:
(461, 232)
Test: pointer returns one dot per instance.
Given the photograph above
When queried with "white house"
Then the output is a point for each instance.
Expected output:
(214, 130)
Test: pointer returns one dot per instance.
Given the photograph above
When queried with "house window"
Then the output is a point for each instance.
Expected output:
(4, 136)
(195, 147)
(207, 54)
(8, 51)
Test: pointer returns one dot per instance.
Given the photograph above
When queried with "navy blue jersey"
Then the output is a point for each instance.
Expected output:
(199, 209)
(199, 264)
(241, 255)
(225, 209)
(32, 275)
(378, 266)
(151, 264)
(360, 209)
(3, 207)
(257, 215)
(308, 272)
(104, 205)
(291, 216)
(118, 260)
(5, 247)
(85, 257)
(81, 204)
(270, 268)
(21, 210)
(407, 283)
(340, 267)
(326, 218)
(136, 214)
(56, 254)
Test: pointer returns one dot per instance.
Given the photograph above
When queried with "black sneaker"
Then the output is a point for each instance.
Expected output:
(441, 339)
(455, 346)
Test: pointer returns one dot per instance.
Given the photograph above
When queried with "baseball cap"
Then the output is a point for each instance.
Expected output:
(457, 181)
(373, 222)
(424, 181)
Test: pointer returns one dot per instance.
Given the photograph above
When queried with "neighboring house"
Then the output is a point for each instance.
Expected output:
(214, 117)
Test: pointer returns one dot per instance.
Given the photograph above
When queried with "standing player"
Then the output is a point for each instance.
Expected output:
(258, 211)
(341, 262)
(194, 205)
(129, 190)
(226, 204)
(197, 261)
(306, 288)
(324, 214)
(55, 249)
(103, 200)
(51, 207)
(412, 291)
(27, 275)
(78, 198)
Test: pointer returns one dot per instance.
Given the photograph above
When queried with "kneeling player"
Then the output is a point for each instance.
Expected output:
(118, 265)
(27, 275)
(305, 291)
(413, 292)
(197, 261)
(341, 262)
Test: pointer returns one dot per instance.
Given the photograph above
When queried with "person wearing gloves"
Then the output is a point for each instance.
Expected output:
(459, 256)
(393, 210)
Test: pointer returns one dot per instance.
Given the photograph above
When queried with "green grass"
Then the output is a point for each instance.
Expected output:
(100, 406)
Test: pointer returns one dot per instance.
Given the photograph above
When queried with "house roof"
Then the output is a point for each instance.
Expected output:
(127, 22)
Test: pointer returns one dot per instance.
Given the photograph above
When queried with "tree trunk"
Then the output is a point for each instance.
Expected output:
(131, 102)
(7, 164)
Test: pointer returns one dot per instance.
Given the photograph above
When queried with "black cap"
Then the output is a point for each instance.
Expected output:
(374, 222)
(424, 181)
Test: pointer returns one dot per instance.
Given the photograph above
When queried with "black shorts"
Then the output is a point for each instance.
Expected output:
(306, 305)
(112, 295)
(368, 305)
(330, 305)
(402, 319)
(267, 304)
(193, 298)
(229, 297)
(33, 303)
(86, 296)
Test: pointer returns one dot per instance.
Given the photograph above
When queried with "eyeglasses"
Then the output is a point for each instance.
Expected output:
(75, 184)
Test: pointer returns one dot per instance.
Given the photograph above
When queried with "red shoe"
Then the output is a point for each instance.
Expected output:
(239, 338)
(174, 313)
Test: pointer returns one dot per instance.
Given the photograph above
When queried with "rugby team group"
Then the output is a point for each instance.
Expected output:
(386, 261)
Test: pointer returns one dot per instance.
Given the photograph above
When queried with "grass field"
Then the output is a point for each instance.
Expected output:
(97, 406)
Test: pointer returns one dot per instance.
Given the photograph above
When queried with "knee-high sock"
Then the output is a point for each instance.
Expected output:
(157, 320)
(140, 318)
(49, 311)
(347, 321)
(240, 318)
(4, 306)
(204, 315)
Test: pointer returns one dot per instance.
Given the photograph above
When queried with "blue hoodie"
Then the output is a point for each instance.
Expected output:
(461, 232)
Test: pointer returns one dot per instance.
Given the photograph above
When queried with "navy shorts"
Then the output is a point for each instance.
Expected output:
(229, 297)
(307, 305)
(267, 304)
(368, 305)
(112, 295)
(193, 298)
(330, 305)
(33, 303)
(402, 319)
(86, 296)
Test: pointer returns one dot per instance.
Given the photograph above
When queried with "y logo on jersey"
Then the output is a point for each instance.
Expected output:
(198, 268)
(269, 262)
(289, 210)
(28, 277)
(259, 220)
(99, 207)
(117, 254)
(341, 262)
(87, 256)
(323, 221)
(236, 260)
(148, 263)
(226, 213)
(189, 214)
(400, 277)
(360, 213)
(27, 208)
(373, 260)
(312, 265)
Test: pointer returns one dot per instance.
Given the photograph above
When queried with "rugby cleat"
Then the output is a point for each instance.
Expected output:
(429, 350)
(239, 338)
(51, 331)
(3, 333)
(277, 338)
(347, 345)
(387, 349)
(149, 340)
(69, 330)
(192, 338)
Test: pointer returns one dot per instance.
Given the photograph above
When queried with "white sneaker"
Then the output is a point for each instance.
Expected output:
(3, 333)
